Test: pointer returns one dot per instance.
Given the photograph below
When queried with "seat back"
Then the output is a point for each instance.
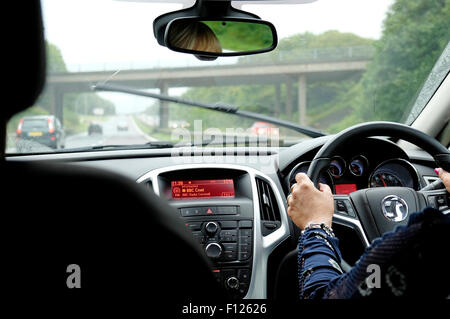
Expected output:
(65, 226)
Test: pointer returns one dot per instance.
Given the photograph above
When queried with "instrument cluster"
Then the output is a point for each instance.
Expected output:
(348, 175)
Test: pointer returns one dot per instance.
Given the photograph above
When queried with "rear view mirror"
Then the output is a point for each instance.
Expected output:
(220, 37)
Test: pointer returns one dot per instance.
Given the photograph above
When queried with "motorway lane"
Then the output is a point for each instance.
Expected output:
(111, 134)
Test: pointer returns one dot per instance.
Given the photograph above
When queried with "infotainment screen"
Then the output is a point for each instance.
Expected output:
(202, 188)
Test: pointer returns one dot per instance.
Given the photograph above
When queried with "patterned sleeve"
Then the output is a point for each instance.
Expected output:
(409, 260)
(319, 262)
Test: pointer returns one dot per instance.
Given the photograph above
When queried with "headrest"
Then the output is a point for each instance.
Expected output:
(23, 69)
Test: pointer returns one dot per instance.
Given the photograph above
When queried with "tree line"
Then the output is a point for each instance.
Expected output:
(414, 34)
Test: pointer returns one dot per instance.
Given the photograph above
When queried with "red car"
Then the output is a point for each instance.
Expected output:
(264, 128)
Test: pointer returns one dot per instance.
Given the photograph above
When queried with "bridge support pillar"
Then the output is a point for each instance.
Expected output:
(164, 107)
(289, 99)
(302, 99)
(277, 105)
(56, 100)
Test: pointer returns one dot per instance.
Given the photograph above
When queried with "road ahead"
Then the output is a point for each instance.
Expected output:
(111, 134)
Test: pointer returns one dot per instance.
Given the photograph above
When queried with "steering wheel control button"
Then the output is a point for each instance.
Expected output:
(232, 283)
(344, 207)
(211, 228)
(213, 250)
(432, 201)
(340, 206)
(441, 200)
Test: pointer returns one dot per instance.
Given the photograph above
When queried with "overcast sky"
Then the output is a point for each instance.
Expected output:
(118, 34)
(95, 32)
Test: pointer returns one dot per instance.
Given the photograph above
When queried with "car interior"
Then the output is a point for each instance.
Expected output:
(197, 222)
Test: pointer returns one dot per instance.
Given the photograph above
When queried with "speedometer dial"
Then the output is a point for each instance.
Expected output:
(395, 172)
(385, 179)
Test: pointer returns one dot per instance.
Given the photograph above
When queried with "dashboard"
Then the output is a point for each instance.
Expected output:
(234, 205)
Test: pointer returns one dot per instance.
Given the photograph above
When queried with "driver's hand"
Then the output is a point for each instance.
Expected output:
(307, 204)
(445, 177)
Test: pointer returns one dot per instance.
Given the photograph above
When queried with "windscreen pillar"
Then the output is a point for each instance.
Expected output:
(302, 99)
(164, 106)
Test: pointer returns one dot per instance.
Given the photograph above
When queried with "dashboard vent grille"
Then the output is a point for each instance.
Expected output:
(268, 207)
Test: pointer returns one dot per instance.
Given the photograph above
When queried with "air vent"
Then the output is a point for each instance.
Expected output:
(268, 207)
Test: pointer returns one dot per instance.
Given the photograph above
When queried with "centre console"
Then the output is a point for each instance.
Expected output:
(220, 207)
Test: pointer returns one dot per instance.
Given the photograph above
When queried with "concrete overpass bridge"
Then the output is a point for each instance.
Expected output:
(312, 66)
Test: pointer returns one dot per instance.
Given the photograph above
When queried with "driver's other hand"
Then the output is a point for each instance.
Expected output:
(307, 204)
(445, 177)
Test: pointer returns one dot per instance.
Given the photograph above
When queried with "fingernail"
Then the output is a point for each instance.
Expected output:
(437, 170)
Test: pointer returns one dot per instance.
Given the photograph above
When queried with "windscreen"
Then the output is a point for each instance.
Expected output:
(337, 63)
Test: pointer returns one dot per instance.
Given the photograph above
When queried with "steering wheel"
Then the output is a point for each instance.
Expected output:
(381, 209)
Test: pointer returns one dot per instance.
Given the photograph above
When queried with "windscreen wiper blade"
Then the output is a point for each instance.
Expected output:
(153, 144)
(219, 107)
(110, 147)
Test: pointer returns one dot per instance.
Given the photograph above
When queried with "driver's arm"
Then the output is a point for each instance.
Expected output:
(319, 256)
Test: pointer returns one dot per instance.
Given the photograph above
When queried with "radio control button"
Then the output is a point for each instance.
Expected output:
(227, 210)
(191, 211)
(245, 240)
(213, 250)
(232, 283)
(246, 232)
(228, 224)
(245, 224)
(244, 275)
(211, 228)
(244, 256)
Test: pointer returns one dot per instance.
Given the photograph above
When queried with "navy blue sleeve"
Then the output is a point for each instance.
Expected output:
(403, 256)
(319, 261)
